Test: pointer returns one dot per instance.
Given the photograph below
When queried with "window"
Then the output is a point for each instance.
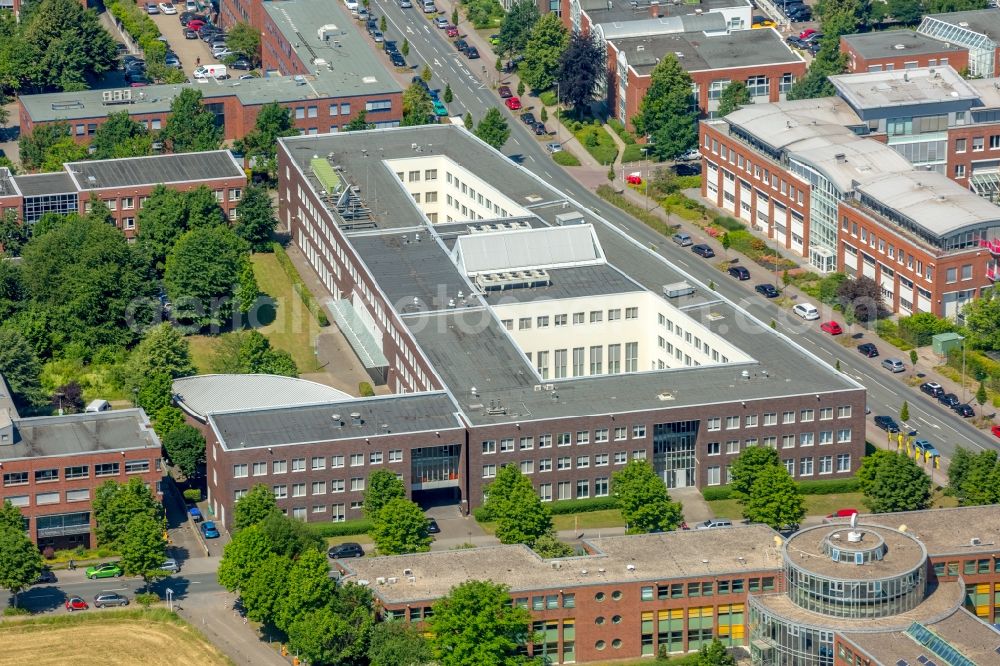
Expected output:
(489, 446)
(714, 448)
(770, 419)
(357, 459)
(47, 498)
(578, 361)
(559, 320)
(977, 143)
(596, 316)
(545, 492)
(806, 416)
(806, 439)
(578, 317)
(638, 431)
(337, 513)
(318, 462)
(601, 486)
(527, 467)
(788, 417)
(621, 457)
(788, 441)
(843, 435)
(375, 457)
(759, 86)
(44, 475)
(357, 483)
(106, 469)
(582, 462)
(564, 439)
(960, 145)
(631, 356)
(81, 495)
(545, 465)
(298, 464)
(545, 441)
(337, 486)
(318, 488)
(750, 421)
(506, 444)
(489, 471)
(279, 467)
(714, 475)
(621, 433)
(526, 443)
(583, 437)
(582, 489)
(714, 423)
(826, 413)
(240, 471)
(280, 492)
(298, 490)
(733, 446)
(260, 469)
(564, 462)
(826, 464)
(77, 472)
(806, 466)
(732, 422)
(844, 462)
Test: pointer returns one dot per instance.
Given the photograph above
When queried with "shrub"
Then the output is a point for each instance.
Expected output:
(888, 331)
(192, 495)
(563, 158)
(688, 182)
(729, 223)
(583, 505)
(299, 286)
(977, 365)
(349, 528)
(632, 153)
(48, 552)
(12, 610)
(717, 493)
(548, 98)
(365, 390)
(612, 197)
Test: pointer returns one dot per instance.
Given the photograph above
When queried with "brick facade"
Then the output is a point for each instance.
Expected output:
(948, 55)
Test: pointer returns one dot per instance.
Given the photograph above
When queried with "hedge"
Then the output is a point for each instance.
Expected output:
(548, 98)
(822, 487)
(633, 153)
(716, 493)
(977, 365)
(562, 158)
(298, 285)
(135, 22)
(564, 507)
(729, 223)
(348, 528)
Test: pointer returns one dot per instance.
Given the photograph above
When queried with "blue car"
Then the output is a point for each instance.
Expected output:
(439, 108)
(209, 530)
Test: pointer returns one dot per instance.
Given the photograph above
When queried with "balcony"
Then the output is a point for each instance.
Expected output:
(992, 245)
(993, 273)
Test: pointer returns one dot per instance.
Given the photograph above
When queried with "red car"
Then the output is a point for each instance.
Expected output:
(633, 179)
(513, 103)
(831, 327)
(76, 603)
(805, 33)
(995, 430)
(505, 92)
(195, 25)
(451, 31)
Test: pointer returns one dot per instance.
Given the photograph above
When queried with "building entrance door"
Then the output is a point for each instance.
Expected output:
(673, 452)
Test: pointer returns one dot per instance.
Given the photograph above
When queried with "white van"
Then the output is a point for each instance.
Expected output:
(351, 5)
(430, 7)
(97, 406)
(807, 311)
(205, 72)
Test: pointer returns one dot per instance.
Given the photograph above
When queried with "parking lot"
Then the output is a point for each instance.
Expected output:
(191, 52)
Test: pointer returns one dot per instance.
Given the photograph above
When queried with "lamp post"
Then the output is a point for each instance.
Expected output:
(645, 154)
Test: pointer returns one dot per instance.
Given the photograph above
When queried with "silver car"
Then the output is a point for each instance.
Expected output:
(893, 365)
(170, 565)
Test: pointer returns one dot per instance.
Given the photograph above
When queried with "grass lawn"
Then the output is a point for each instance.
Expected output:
(576, 521)
(596, 140)
(362, 539)
(202, 351)
(816, 505)
(113, 638)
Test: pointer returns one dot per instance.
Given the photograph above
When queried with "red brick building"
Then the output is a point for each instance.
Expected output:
(123, 185)
(51, 466)
(900, 49)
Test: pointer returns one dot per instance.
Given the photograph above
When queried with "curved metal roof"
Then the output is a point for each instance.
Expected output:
(202, 395)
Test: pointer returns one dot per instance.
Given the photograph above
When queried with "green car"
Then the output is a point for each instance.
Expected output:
(106, 570)
(494, 40)
(439, 108)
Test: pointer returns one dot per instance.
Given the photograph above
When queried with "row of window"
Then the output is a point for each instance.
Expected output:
(316, 463)
(978, 143)
(596, 317)
(805, 467)
(55, 497)
(527, 443)
(714, 423)
(560, 358)
(968, 567)
(805, 439)
(902, 258)
(757, 86)
(566, 463)
(355, 484)
(569, 490)
(78, 472)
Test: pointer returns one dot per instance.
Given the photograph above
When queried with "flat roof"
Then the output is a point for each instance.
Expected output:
(983, 21)
(698, 51)
(963, 631)
(201, 395)
(42, 184)
(342, 66)
(902, 552)
(620, 11)
(466, 345)
(897, 43)
(299, 424)
(8, 187)
(933, 201)
(172, 168)
(661, 25)
(739, 550)
(848, 160)
(903, 87)
(782, 124)
(43, 436)
(946, 531)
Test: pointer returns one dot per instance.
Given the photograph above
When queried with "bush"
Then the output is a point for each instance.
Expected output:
(729, 223)
(548, 98)
(147, 599)
(653, 222)
(49, 552)
(717, 493)
(976, 365)
(598, 143)
(563, 158)
(192, 495)
(688, 182)
(365, 390)
(12, 610)
(349, 528)
(299, 286)
(583, 505)
(888, 331)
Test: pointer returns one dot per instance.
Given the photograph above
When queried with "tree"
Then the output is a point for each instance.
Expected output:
(715, 654)
(185, 446)
(580, 69)
(260, 145)
(548, 546)
(48, 147)
(493, 128)
(318, 635)
(243, 555)
(748, 466)
(20, 561)
(958, 469)
(10, 516)
(115, 505)
(244, 38)
(309, 588)
(248, 352)
(162, 350)
(467, 121)
(862, 296)
(734, 96)
(253, 507)
(20, 367)
(666, 113)
(405, 48)
(475, 623)
(892, 481)
(120, 136)
(382, 23)
(774, 499)
(418, 109)
(907, 12)
(359, 122)
(166, 419)
(289, 537)
(247, 292)
(68, 398)
(914, 357)
(448, 94)
(426, 74)
(191, 127)
(398, 643)
(520, 515)
(516, 28)
(521, 88)
(154, 392)
(981, 394)
(904, 412)
(643, 500)
(13, 234)
(199, 275)
(980, 482)
(264, 592)
(454, 16)
(982, 321)
(383, 486)
(545, 47)
(727, 243)
(143, 547)
(400, 527)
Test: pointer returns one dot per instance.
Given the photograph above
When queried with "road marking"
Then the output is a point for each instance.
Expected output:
(437, 63)
(409, 30)
(515, 141)
(933, 425)
(546, 173)
(427, 30)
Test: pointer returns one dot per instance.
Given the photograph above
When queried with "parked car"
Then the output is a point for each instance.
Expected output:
(439, 108)
(893, 365)
(432, 526)
(371, 25)
(472, 53)
(539, 129)
(964, 410)
(761, 22)
(460, 45)
(106, 570)
(240, 63)
(793, 40)
(170, 565)
(451, 31)
(504, 92)
(703, 251)
(812, 38)
(345, 550)
(196, 24)
(886, 423)
(807, 311)
(195, 514)
(949, 400)
(995, 430)
(209, 530)
(75, 604)
(405, 4)
(513, 103)
(441, 22)
(46, 577)
(389, 46)
(554, 147)
(739, 272)
(924, 447)
(868, 349)
(397, 59)
(152, 8)
(713, 523)
(167, 8)
(190, 34)
(933, 389)
(682, 238)
(420, 82)
(191, 6)
(110, 599)
(171, 60)
(766, 290)
(528, 119)
(805, 34)
(831, 327)
(840, 513)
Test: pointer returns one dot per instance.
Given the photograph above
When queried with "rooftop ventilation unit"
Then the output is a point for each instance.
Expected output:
(355, 418)
(899, 47)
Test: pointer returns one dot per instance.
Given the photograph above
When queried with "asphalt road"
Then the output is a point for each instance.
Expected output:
(471, 83)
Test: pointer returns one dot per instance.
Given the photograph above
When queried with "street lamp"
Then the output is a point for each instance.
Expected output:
(645, 154)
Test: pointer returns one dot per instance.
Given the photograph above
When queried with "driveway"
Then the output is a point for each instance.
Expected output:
(190, 51)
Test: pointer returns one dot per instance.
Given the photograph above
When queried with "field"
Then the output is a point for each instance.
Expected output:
(112, 638)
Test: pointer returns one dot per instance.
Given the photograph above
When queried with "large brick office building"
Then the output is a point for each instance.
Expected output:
(894, 590)
(51, 466)
(315, 63)
(511, 326)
